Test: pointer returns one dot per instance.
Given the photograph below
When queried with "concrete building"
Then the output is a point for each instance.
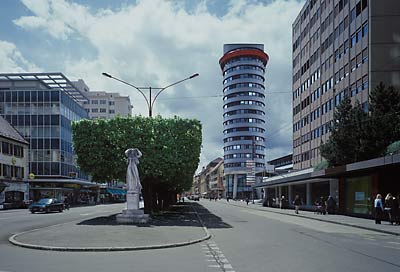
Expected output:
(207, 177)
(104, 105)
(340, 48)
(243, 68)
(14, 191)
(41, 106)
(217, 188)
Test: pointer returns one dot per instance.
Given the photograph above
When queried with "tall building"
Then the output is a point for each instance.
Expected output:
(243, 68)
(41, 106)
(104, 104)
(340, 48)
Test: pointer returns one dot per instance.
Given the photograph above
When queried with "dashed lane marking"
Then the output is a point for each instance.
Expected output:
(212, 250)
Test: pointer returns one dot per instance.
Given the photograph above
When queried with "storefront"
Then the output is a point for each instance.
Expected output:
(353, 186)
(74, 190)
(13, 194)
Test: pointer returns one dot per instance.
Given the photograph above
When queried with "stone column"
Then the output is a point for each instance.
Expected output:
(235, 183)
(308, 194)
(290, 194)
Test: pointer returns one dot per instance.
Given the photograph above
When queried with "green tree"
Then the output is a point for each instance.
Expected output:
(384, 122)
(170, 148)
(345, 144)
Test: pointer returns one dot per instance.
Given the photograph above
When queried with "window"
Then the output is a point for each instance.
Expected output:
(359, 86)
(365, 55)
(353, 64)
(103, 110)
(359, 60)
(359, 35)
(353, 40)
(352, 15)
(365, 82)
(111, 103)
(103, 102)
(364, 4)
(358, 9)
(95, 102)
(365, 30)
(353, 90)
(95, 110)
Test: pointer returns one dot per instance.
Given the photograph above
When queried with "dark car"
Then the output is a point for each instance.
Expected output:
(47, 205)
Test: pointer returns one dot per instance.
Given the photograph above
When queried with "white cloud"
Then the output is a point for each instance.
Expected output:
(156, 42)
(12, 61)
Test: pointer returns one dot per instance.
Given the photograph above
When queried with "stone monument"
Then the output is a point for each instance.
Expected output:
(132, 213)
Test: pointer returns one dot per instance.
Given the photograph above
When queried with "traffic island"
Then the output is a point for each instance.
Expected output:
(179, 227)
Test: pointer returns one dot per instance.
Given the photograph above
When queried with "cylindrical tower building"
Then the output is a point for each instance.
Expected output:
(243, 68)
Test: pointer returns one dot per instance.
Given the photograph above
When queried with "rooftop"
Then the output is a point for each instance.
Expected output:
(56, 81)
(8, 131)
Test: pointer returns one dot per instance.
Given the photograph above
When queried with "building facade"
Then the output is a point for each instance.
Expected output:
(243, 68)
(14, 191)
(41, 106)
(107, 105)
(340, 48)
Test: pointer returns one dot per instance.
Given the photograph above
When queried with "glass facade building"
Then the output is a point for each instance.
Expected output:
(41, 107)
(243, 68)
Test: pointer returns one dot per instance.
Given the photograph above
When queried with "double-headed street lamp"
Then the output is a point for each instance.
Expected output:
(150, 101)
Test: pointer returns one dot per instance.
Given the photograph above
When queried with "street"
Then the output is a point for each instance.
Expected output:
(243, 239)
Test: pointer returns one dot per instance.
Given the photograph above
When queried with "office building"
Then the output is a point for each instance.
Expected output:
(104, 105)
(340, 48)
(41, 106)
(243, 68)
(107, 105)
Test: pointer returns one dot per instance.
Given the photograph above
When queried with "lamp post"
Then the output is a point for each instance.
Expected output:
(150, 101)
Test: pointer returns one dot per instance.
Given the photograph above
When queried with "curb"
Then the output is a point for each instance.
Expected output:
(321, 220)
(14, 241)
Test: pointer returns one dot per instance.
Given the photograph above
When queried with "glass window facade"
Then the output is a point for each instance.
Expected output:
(44, 118)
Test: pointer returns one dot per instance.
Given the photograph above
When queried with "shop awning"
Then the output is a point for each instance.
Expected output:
(116, 191)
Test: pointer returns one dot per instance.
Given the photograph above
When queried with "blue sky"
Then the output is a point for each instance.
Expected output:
(154, 43)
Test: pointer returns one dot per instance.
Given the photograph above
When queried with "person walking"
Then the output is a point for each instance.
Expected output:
(283, 202)
(389, 207)
(396, 210)
(378, 206)
(297, 203)
(331, 205)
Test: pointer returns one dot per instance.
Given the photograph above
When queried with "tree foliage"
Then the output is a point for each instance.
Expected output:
(346, 140)
(170, 148)
(359, 136)
(384, 122)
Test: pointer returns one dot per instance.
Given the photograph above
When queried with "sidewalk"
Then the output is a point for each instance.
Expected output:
(362, 223)
(178, 227)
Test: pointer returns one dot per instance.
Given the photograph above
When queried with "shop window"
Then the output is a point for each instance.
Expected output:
(358, 195)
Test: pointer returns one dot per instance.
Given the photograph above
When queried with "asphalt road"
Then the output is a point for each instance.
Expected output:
(243, 240)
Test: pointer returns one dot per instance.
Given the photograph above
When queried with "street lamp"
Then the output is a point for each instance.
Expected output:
(150, 101)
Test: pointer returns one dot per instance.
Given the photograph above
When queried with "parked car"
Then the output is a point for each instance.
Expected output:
(196, 197)
(47, 205)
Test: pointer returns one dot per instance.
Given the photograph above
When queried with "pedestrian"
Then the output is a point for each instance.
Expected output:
(378, 207)
(247, 201)
(388, 207)
(396, 210)
(297, 203)
(283, 202)
(331, 205)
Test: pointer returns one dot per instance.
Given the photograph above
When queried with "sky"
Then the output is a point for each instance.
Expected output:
(155, 43)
